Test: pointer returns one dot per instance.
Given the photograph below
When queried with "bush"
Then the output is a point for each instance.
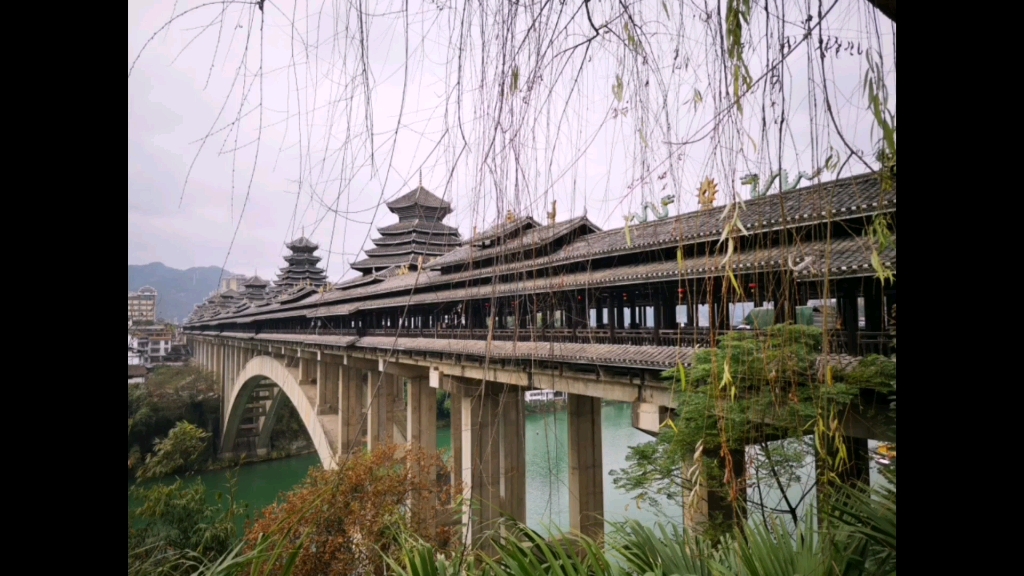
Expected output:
(348, 520)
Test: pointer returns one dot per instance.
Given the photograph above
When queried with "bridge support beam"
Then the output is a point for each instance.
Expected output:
(421, 429)
(327, 375)
(586, 467)
(493, 457)
(382, 412)
(513, 453)
(350, 413)
(455, 389)
(267, 426)
(714, 496)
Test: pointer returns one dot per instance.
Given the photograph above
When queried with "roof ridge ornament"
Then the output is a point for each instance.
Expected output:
(758, 191)
(707, 193)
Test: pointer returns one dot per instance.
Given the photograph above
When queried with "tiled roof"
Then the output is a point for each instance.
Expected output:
(849, 257)
(438, 239)
(302, 243)
(502, 228)
(408, 249)
(383, 261)
(847, 198)
(357, 281)
(420, 196)
(858, 194)
(533, 238)
(418, 226)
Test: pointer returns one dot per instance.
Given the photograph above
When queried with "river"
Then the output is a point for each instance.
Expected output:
(547, 470)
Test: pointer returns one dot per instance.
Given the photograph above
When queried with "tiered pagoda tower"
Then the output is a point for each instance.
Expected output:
(255, 290)
(418, 233)
(302, 267)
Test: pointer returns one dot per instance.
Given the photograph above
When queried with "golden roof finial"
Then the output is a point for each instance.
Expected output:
(707, 193)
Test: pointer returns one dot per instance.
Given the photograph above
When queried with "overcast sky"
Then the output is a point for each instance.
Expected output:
(576, 146)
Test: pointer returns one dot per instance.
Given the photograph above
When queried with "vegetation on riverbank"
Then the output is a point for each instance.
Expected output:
(175, 394)
(173, 419)
(769, 390)
(172, 394)
(173, 529)
(354, 521)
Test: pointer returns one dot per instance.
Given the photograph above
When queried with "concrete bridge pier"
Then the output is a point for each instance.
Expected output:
(493, 459)
(721, 495)
(385, 412)
(350, 412)
(586, 467)
(421, 430)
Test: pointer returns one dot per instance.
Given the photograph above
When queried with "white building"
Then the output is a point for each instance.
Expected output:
(142, 305)
(136, 356)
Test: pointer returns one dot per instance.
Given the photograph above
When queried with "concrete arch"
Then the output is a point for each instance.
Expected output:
(263, 368)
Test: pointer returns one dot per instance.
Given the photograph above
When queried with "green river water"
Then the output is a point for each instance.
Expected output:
(547, 473)
(547, 470)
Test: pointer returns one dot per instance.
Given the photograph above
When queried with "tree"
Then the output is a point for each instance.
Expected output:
(172, 526)
(755, 390)
(184, 449)
(347, 521)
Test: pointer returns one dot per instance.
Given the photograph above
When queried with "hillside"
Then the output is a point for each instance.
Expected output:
(179, 290)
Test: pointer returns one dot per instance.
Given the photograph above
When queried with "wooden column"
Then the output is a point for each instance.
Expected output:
(757, 293)
(849, 314)
(659, 320)
(620, 311)
(874, 306)
(692, 311)
(586, 467)
(724, 289)
(713, 298)
(890, 303)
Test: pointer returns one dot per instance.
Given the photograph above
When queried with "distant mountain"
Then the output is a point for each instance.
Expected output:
(178, 291)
